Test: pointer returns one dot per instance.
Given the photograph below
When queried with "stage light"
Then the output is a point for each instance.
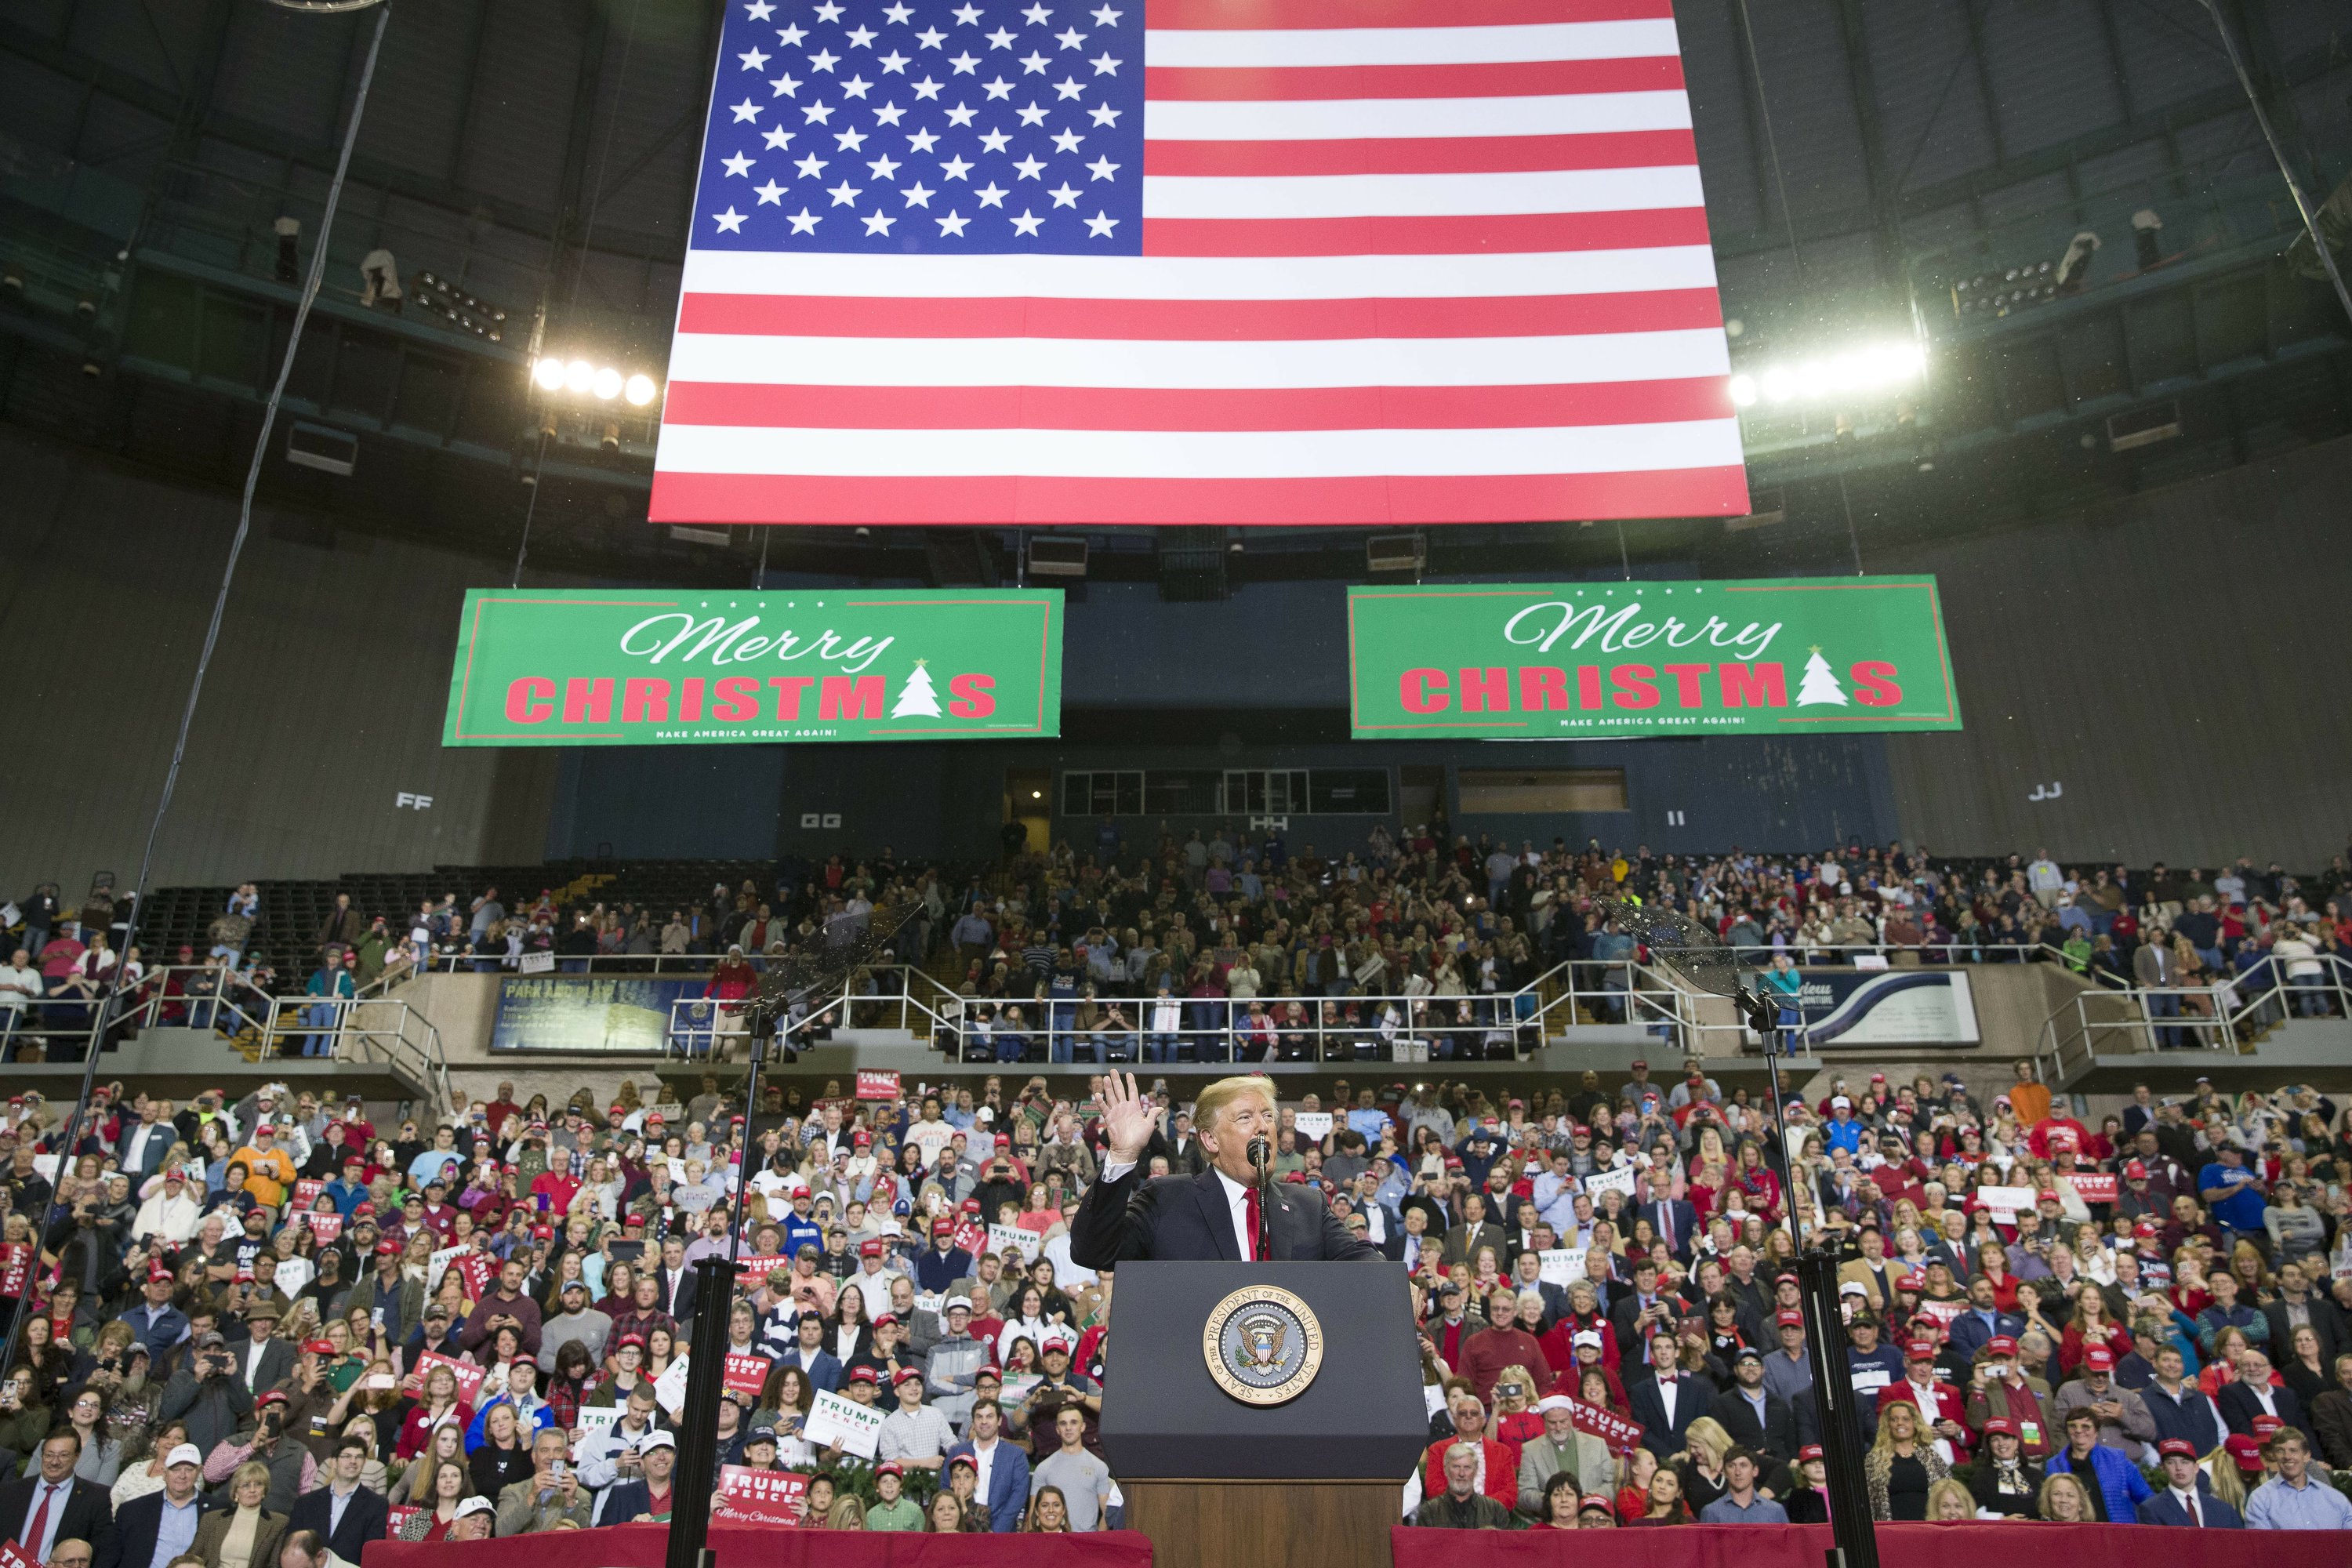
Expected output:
(1865, 368)
(639, 390)
(549, 373)
(607, 384)
(578, 375)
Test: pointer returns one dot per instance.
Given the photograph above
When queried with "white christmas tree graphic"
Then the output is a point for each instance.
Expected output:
(1820, 684)
(917, 699)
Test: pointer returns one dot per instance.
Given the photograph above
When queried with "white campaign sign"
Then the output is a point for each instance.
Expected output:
(1313, 1124)
(1013, 1238)
(2006, 1202)
(833, 1421)
(1620, 1180)
(669, 1388)
(1562, 1265)
(438, 1264)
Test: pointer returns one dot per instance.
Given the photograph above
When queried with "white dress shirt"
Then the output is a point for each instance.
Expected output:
(57, 1493)
(2188, 1504)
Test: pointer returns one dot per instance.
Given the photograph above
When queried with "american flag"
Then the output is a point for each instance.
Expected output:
(1198, 261)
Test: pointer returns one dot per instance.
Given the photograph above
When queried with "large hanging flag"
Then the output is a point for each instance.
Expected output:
(1198, 261)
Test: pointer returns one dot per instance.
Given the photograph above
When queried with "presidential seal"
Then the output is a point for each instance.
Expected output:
(1263, 1345)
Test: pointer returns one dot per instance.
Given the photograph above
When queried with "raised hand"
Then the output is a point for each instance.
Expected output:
(1128, 1118)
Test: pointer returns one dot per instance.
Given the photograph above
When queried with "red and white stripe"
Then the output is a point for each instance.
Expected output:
(1405, 261)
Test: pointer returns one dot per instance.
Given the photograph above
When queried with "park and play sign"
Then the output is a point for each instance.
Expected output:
(604, 666)
(1577, 660)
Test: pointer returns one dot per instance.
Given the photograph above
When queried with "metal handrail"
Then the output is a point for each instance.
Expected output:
(2142, 1016)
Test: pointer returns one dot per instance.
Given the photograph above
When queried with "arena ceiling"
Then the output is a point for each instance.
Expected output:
(1868, 167)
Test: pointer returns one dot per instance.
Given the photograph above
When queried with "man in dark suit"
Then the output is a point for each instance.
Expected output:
(1214, 1215)
(1675, 1220)
(1755, 1419)
(38, 1512)
(1476, 1230)
(2187, 1500)
(2253, 1396)
(346, 1515)
(141, 1150)
(1641, 1310)
(1667, 1403)
(264, 1361)
(2298, 1291)
(1980, 1324)
(140, 1540)
(677, 1281)
(1410, 1239)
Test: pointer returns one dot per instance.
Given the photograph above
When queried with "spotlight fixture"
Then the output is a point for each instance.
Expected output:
(554, 374)
(1867, 370)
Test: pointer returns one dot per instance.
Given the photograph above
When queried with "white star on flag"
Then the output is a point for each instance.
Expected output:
(1038, 15)
(992, 194)
(1099, 226)
(878, 223)
(806, 221)
(955, 168)
(824, 60)
(1032, 115)
(828, 12)
(747, 110)
(966, 15)
(1103, 168)
(918, 194)
(1029, 168)
(1104, 65)
(1068, 87)
(953, 224)
(1108, 17)
(811, 166)
(884, 167)
(922, 141)
(1104, 114)
(778, 137)
(1032, 64)
(770, 193)
(1067, 140)
(1027, 224)
(931, 38)
(753, 60)
(994, 142)
(737, 164)
(849, 140)
(791, 36)
(844, 194)
(1071, 38)
(1064, 196)
(897, 13)
(759, 10)
(731, 221)
(861, 37)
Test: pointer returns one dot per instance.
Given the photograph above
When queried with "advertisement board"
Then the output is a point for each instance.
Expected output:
(1886, 1007)
(617, 666)
(1600, 661)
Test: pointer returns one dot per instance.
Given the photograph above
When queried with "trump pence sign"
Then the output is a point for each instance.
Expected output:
(1596, 661)
(603, 667)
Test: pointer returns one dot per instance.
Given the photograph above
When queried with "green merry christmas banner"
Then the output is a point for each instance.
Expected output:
(1772, 657)
(626, 668)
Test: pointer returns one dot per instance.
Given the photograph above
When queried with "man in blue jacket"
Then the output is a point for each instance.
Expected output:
(2114, 1483)
(1000, 1469)
(2185, 1498)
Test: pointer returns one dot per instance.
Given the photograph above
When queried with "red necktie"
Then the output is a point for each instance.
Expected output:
(1252, 1211)
(2196, 1514)
(37, 1530)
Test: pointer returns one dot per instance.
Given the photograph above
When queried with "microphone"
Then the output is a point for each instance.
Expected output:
(1261, 1153)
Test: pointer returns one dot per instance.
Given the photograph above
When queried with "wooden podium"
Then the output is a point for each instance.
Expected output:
(1217, 1481)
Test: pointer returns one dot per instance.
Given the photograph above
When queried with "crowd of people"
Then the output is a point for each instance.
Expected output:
(1210, 945)
(266, 1328)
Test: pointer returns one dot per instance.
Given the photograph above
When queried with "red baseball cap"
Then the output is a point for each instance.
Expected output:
(2000, 1423)
(2265, 1427)
(1919, 1349)
(2180, 1446)
(2246, 1451)
(318, 1347)
(1911, 1282)
(906, 1373)
(387, 1248)
(2134, 1170)
(1789, 1320)
(1809, 1453)
(2099, 1357)
(864, 1374)
(2000, 1344)
(871, 1249)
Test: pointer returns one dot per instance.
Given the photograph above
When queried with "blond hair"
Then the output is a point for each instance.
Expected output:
(1225, 1091)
